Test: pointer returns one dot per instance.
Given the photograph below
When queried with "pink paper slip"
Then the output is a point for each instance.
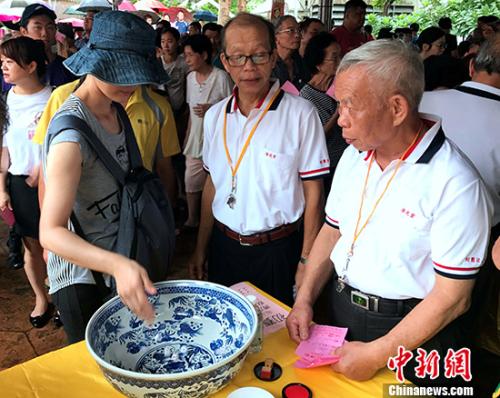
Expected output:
(302, 363)
(331, 91)
(289, 88)
(8, 216)
(273, 315)
(318, 349)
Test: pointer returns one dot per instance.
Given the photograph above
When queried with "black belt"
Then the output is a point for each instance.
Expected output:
(377, 304)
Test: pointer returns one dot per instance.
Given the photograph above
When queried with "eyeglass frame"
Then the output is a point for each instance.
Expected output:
(296, 31)
(248, 57)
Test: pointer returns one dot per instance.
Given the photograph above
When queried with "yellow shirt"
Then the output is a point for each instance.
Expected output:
(142, 118)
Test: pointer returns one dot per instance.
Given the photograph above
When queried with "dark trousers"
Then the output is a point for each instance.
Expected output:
(367, 326)
(76, 304)
(24, 200)
(271, 266)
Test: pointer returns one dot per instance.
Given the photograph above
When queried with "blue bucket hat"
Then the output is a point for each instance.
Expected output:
(121, 51)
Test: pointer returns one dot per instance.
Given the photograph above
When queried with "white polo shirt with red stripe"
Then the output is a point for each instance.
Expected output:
(434, 218)
(287, 148)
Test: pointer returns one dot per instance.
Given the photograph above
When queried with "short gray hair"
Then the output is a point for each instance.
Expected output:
(277, 24)
(246, 19)
(391, 65)
(488, 57)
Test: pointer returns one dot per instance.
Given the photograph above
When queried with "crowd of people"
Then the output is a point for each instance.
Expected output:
(308, 159)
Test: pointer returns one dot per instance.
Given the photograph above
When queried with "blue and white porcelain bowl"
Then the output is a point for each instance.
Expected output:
(196, 345)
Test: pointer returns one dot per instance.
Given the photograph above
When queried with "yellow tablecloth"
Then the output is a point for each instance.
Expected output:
(71, 372)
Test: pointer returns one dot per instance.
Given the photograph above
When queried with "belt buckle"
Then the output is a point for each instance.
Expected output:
(243, 243)
(360, 299)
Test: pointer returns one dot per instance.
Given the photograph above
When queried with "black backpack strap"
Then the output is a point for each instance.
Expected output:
(70, 122)
(478, 92)
(134, 154)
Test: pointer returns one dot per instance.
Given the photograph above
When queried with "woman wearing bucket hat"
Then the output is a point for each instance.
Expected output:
(119, 56)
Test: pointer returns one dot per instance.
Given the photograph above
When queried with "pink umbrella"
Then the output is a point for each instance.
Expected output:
(10, 14)
(173, 11)
(126, 5)
(75, 22)
(6, 18)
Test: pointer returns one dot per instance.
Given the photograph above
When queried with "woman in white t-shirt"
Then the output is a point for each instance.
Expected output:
(24, 66)
(205, 86)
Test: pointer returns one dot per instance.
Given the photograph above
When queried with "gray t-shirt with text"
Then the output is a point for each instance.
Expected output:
(98, 198)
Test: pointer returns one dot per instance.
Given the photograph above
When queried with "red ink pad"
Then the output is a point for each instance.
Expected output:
(296, 390)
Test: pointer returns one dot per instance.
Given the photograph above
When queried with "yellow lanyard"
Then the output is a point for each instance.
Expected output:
(360, 211)
(232, 199)
(234, 170)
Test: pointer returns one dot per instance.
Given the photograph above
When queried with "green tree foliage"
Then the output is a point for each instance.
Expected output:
(463, 14)
(251, 4)
(383, 5)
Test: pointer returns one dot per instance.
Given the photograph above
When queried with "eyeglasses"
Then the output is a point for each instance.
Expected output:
(290, 31)
(240, 60)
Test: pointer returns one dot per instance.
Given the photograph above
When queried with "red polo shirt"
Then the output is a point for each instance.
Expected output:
(348, 40)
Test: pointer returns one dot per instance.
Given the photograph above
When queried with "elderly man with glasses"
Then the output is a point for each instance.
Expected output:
(265, 153)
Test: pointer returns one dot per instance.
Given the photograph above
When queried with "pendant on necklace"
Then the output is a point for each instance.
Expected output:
(340, 285)
(231, 199)
(342, 278)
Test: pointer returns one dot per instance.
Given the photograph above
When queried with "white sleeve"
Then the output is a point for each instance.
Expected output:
(313, 158)
(209, 129)
(5, 139)
(460, 229)
(189, 88)
(222, 87)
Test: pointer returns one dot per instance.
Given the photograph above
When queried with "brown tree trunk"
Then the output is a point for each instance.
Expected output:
(387, 5)
(224, 6)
